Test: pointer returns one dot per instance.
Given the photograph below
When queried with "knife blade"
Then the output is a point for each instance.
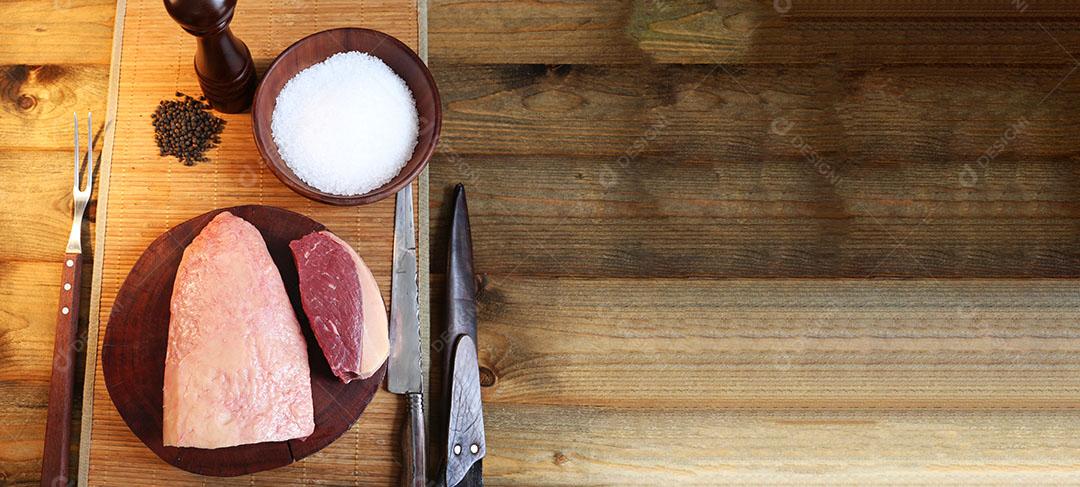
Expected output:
(405, 375)
(465, 442)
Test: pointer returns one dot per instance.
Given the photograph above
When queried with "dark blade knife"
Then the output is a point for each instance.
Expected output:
(465, 445)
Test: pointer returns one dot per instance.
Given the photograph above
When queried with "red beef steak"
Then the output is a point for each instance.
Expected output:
(343, 304)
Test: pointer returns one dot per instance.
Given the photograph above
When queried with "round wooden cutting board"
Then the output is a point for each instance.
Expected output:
(133, 354)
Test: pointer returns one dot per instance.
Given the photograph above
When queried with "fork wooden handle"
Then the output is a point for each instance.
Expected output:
(54, 461)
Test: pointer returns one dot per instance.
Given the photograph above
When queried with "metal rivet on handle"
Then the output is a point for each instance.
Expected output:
(65, 310)
(457, 449)
(70, 263)
(474, 448)
(67, 286)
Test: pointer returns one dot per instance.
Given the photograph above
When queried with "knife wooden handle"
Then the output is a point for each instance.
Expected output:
(414, 442)
(54, 460)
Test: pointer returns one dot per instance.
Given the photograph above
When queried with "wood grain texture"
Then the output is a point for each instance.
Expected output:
(897, 96)
(893, 114)
(767, 171)
(149, 194)
(605, 446)
(683, 264)
(27, 325)
(825, 381)
(752, 32)
(38, 204)
(755, 344)
(775, 217)
(37, 102)
(57, 32)
(53, 61)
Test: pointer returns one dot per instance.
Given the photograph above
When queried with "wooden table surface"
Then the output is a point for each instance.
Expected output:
(738, 241)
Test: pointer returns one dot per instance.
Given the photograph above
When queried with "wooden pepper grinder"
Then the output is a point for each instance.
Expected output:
(222, 61)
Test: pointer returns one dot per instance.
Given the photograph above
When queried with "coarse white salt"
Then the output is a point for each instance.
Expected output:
(346, 125)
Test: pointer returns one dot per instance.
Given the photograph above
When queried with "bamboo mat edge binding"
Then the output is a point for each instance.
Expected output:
(424, 271)
(104, 171)
(90, 366)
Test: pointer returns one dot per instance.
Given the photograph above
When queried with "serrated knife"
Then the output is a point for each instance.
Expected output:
(405, 374)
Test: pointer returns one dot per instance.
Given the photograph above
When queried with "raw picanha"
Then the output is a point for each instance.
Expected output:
(236, 369)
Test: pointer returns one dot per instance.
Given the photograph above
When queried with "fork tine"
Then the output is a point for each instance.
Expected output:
(75, 183)
(89, 151)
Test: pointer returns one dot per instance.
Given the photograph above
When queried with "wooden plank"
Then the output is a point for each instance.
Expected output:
(29, 292)
(768, 172)
(526, 32)
(752, 32)
(895, 114)
(51, 64)
(38, 203)
(629, 381)
(23, 436)
(39, 101)
(933, 9)
(664, 344)
(841, 140)
(27, 326)
(56, 32)
(578, 446)
(771, 217)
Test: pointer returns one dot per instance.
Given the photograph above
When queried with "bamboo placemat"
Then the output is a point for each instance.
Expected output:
(143, 195)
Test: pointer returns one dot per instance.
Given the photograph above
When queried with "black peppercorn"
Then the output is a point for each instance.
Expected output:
(186, 129)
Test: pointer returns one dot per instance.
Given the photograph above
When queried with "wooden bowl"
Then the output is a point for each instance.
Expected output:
(133, 353)
(316, 48)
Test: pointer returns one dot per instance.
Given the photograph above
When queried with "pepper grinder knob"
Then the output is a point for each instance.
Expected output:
(222, 61)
